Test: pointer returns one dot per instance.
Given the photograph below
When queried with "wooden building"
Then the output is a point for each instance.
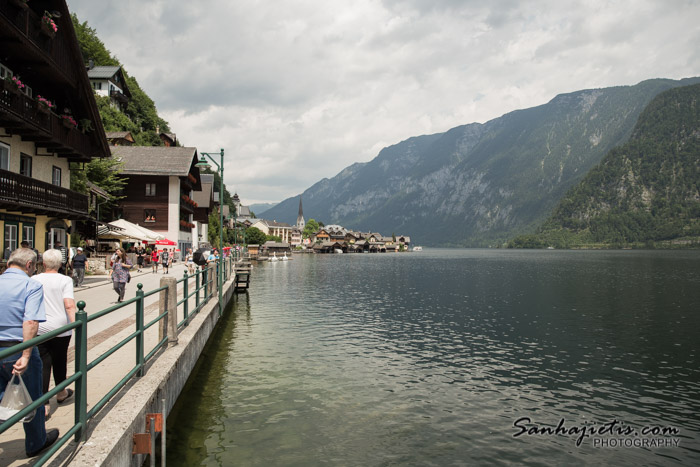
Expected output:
(48, 119)
(158, 194)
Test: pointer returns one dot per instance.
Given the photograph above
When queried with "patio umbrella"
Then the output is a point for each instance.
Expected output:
(166, 242)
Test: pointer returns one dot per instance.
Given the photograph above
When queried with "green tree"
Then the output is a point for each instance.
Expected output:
(214, 229)
(273, 238)
(255, 236)
(102, 172)
(310, 228)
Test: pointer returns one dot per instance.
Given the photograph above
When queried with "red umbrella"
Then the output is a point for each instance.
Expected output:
(165, 241)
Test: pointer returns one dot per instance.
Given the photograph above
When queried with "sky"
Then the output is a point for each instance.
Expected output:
(295, 91)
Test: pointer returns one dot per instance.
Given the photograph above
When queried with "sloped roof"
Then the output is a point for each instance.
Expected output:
(102, 72)
(156, 160)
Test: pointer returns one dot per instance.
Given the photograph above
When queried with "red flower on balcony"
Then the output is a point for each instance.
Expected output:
(69, 122)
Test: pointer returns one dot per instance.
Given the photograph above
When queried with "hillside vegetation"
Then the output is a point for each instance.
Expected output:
(645, 193)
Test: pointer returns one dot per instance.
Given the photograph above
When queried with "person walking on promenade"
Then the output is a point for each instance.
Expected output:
(120, 274)
(60, 310)
(22, 311)
(155, 258)
(189, 260)
(165, 260)
(78, 265)
(140, 254)
(64, 257)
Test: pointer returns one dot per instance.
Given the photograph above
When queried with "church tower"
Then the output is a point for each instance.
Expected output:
(300, 218)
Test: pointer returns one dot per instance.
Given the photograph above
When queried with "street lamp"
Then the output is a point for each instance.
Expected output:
(220, 169)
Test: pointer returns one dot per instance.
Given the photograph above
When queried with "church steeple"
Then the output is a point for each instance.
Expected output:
(300, 217)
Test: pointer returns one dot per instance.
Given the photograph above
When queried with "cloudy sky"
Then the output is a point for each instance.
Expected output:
(295, 91)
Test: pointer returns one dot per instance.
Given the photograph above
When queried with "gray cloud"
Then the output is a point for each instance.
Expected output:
(296, 91)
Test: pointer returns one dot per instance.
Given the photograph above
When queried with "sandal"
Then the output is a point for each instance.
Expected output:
(70, 394)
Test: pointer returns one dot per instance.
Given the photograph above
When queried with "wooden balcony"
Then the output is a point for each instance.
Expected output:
(27, 195)
(20, 115)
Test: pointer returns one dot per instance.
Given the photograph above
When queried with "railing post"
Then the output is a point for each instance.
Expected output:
(205, 282)
(196, 287)
(168, 304)
(139, 330)
(186, 303)
(81, 337)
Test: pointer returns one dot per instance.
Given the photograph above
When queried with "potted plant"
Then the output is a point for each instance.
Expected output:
(48, 26)
(69, 122)
(44, 105)
(14, 84)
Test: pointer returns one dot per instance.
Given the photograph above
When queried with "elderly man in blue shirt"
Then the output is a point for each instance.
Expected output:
(22, 309)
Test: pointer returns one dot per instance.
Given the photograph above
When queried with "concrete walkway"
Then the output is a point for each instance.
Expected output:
(103, 333)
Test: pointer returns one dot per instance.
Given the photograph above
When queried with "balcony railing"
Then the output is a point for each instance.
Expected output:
(20, 114)
(26, 194)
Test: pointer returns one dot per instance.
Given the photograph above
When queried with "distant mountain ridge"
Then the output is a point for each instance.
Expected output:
(480, 184)
(644, 192)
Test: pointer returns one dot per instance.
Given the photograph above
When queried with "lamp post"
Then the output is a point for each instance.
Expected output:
(220, 169)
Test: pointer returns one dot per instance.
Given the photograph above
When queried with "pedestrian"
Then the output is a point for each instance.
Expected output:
(78, 265)
(165, 260)
(120, 274)
(25, 244)
(22, 311)
(64, 256)
(140, 254)
(60, 310)
(155, 258)
(189, 260)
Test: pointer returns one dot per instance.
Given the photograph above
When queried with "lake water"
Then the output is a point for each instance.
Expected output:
(442, 357)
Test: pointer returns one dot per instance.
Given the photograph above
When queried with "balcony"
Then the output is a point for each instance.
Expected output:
(27, 195)
(20, 115)
(22, 37)
(119, 97)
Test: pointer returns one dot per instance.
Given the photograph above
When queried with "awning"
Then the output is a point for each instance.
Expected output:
(166, 242)
(130, 231)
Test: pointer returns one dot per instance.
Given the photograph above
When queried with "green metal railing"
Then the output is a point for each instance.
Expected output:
(203, 283)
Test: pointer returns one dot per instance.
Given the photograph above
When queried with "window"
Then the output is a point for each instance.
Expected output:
(5, 72)
(149, 215)
(28, 235)
(10, 238)
(25, 165)
(4, 156)
(96, 86)
(150, 189)
(56, 176)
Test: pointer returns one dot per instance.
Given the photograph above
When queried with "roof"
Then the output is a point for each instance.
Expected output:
(117, 134)
(156, 160)
(244, 211)
(102, 72)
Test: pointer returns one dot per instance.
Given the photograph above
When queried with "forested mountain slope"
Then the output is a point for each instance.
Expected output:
(645, 192)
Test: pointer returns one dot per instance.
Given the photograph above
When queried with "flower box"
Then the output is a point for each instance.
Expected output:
(47, 30)
(69, 122)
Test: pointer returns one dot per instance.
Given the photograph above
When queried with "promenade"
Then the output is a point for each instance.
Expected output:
(103, 333)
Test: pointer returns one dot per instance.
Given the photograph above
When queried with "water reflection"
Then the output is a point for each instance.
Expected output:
(429, 359)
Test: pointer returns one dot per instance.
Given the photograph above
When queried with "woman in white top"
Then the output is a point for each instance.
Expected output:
(60, 310)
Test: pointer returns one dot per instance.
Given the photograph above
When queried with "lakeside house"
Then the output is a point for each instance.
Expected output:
(48, 119)
(160, 186)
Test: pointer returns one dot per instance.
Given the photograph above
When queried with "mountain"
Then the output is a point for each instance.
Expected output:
(480, 184)
(262, 207)
(645, 192)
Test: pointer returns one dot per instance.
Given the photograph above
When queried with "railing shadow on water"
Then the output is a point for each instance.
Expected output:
(203, 292)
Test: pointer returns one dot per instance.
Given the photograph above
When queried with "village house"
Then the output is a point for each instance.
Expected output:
(205, 205)
(110, 81)
(159, 190)
(274, 228)
(48, 119)
(120, 138)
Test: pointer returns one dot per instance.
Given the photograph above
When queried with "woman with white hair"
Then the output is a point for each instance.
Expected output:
(60, 310)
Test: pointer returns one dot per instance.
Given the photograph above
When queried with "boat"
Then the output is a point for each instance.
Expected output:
(274, 258)
(338, 250)
(417, 248)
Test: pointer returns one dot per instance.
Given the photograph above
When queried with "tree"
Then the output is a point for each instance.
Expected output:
(255, 236)
(213, 230)
(273, 238)
(102, 172)
(310, 228)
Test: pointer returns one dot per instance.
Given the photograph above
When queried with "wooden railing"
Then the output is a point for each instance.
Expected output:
(46, 124)
(37, 196)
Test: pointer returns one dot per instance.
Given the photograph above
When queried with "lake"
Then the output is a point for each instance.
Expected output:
(452, 357)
